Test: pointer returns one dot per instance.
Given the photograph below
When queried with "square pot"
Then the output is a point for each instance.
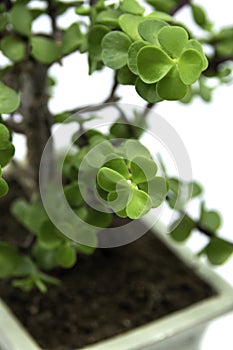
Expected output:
(180, 330)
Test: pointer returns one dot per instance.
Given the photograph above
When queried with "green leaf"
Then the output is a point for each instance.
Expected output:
(126, 77)
(210, 219)
(147, 91)
(4, 137)
(107, 179)
(194, 44)
(73, 194)
(173, 39)
(9, 100)
(49, 236)
(31, 215)
(162, 16)
(25, 267)
(190, 66)
(139, 204)
(21, 19)
(44, 258)
(205, 91)
(115, 47)
(182, 231)
(3, 187)
(157, 189)
(119, 165)
(45, 50)
(143, 169)
(200, 17)
(108, 17)
(218, 251)
(164, 6)
(66, 256)
(196, 189)
(153, 64)
(171, 87)
(98, 219)
(95, 37)
(118, 200)
(72, 39)
(9, 259)
(132, 6)
(6, 155)
(132, 55)
(149, 28)
(129, 24)
(132, 147)
(13, 48)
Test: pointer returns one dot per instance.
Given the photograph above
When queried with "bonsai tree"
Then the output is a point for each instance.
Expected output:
(111, 174)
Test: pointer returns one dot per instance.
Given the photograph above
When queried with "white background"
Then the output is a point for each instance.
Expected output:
(206, 130)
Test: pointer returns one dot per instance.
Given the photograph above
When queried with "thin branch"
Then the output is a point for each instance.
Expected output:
(8, 4)
(179, 6)
(53, 16)
(15, 127)
(112, 96)
(215, 62)
(23, 177)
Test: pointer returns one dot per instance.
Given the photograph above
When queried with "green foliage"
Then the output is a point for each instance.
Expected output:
(210, 219)
(31, 215)
(45, 50)
(163, 61)
(200, 17)
(130, 184)
(115, 49)
(9, 259)
(72, 39)
(14, 48)
(21, 19)
(218, 251)
(182, 229)
(9, 100)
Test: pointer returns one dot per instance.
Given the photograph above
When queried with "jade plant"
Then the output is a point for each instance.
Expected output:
(146, 47)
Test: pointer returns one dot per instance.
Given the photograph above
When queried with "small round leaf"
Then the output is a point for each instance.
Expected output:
(147, 91)
(45, 50)
(129, 24)
(9, 100)
(190, 66)
(107, 179)
(171, 87)
(115, 47)
(218, 251)
(3, 187)
(183, 230)
(4, 137)
(66, 256)
(153, 64)
(49, 236)
(132, 55)
(139, 204)
(13, 48)
(149, 28)
(173, 39)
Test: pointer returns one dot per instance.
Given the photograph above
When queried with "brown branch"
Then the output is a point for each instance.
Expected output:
(179, 6)
(8, 4)
(15, 127)
(112, 96)
(52, 12)
(215, 62)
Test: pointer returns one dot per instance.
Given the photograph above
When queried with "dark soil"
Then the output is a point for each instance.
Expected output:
(108, 293)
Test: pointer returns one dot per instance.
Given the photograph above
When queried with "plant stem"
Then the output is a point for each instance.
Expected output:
(36, 116)
(179, 6)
